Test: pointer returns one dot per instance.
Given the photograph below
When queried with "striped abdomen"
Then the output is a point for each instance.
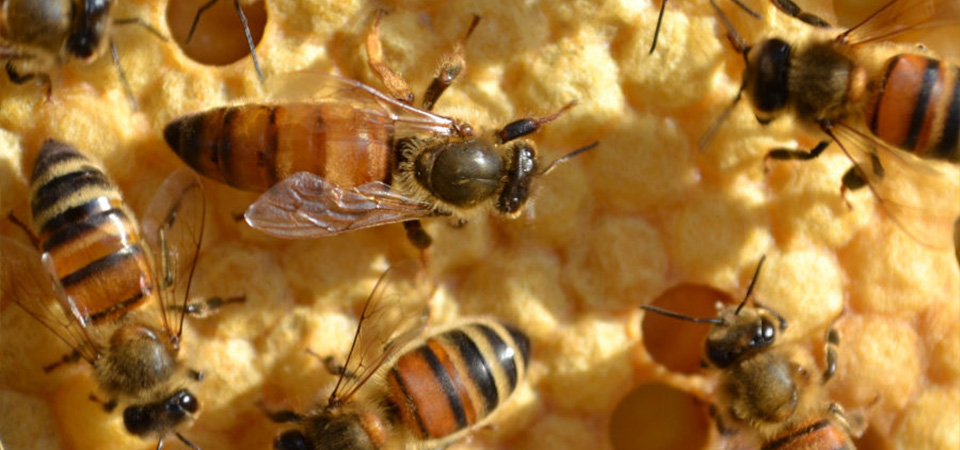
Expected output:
(91, 236)
(455, 379)
(818, 435)
(252, 147)
(917, 107)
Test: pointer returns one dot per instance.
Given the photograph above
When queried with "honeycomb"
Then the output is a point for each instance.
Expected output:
(645, 218)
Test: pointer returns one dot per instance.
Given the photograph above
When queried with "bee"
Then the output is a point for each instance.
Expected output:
(38, 36)
(874, 102)
(772, 388)
(97, 287)
(400, 388)
(360, 158)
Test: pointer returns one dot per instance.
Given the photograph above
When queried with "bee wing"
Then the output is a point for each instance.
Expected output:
(305, 206)
(173, 226)
(900, 16)
(30, 280)
(394, 314)
(305, 85)
(920, 196)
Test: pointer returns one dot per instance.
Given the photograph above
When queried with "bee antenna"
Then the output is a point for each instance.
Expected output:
(567, 157)
(656, 31)
(708, 136)
(753, 283)
(182, 439)
(744, 7)
(735, 39)
(713, 320)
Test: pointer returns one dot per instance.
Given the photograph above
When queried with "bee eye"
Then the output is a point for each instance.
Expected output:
(291, 440)
(767, 77)
(188, 402)
(766, 334)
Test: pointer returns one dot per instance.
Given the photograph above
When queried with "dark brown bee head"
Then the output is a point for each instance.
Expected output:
(521, 170)
(156, 419)
(741, 334)
(766, 78)
(463, 173)
(89, 29)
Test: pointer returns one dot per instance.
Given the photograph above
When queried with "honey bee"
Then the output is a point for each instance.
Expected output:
(774, 389)
(400, 388)
(38, 36)
(360, 158)
(96, 287)
(873, 102)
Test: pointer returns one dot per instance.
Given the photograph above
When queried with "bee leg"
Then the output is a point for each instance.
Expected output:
(108, 406)
(396, 86)
(282, 416)
(333, 367)
(791, 9)
(21, 78)
(451, 66)
(26, 230)
(417, 235)
(186, 442)
(142, 23)
(830, 354)
(853, 180)
(246, 34)
(206, 307)
(69, 358)
(525, 126)
(718, 420)
(787, 154)
(123, 76)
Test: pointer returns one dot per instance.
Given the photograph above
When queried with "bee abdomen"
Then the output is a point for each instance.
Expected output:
(917, 107)
(252, 147)
(820, 435)
(83, 224)
(457, 378)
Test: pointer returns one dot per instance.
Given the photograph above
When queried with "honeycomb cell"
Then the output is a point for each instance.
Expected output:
(656, 416)
(677, 344)
(219, 37)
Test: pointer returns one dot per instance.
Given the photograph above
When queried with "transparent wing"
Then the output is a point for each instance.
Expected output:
(922, 197)
(173, 226)
(30, 280)
(305, 206)
(394, 315)
(405, 119)
(901, 16)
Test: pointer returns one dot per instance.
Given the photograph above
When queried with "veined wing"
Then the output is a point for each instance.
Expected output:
(901, 16)
(173, 226)
(406, 119)
(304, 205)
(922, 197)
(30, 279)
(394, 315)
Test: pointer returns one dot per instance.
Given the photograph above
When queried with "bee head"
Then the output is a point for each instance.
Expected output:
(766, 78)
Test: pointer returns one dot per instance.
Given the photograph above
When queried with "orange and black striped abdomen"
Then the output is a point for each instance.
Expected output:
(457, 378)
(819, 435)
(252, 147)
(91, 236)
(917, 107)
